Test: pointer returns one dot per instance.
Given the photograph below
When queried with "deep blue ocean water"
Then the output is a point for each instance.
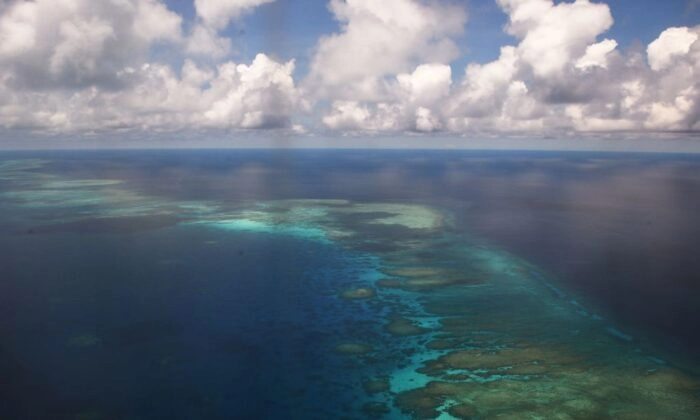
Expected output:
(116, 303)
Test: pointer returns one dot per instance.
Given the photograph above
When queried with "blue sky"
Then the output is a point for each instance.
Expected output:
(290, 29)
(330, 68)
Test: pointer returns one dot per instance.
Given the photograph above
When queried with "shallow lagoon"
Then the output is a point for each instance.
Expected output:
(349, 284)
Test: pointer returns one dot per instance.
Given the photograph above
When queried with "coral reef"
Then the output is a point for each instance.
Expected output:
(353, 348)
(376, 385)
(402, 327)
(458, 328)
(358, 293)
(84, 341)
(375, 409)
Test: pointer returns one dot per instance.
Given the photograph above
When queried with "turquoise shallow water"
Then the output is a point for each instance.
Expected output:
(191, 286)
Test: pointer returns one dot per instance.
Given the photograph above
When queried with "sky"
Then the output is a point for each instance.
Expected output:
(221, 70)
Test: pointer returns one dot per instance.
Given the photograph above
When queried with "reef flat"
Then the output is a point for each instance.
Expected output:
(426, 321)
(471, 331)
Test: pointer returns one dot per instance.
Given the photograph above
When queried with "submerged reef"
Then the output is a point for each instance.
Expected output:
(53, 203)
(84, 341)
(402, 327)
(375, 409)
(359, 293)
(444, 325)
(353, 348)
(474, 332)
(375, 386)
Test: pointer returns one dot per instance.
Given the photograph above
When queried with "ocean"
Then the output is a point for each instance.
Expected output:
(348, 284)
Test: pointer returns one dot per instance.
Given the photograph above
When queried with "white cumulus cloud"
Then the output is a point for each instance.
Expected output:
(204, 39)
(86, 65)
(380, 39)
(386, 69)
(218, 13)
(552, 35)
(597, 54)
(413, 102)
(561, 77)
(672, 43)
(256, 95)
(80, 42)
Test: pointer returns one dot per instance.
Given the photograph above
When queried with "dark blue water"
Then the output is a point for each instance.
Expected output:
(144, 316)
(242, 327)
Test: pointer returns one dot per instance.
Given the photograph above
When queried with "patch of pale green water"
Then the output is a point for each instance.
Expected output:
(34, 189)
(15, 165)
(75, 204)
(329, 211)
(48, 198)
(274, 213)
(21, 175)
(256, 226)
(298, 213)
(317, 219)
(72, 200)
(305, 203)
(412, 216)
(198, 208)
(81, 183)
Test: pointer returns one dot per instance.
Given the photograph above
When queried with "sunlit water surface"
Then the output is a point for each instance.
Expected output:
(348, 284)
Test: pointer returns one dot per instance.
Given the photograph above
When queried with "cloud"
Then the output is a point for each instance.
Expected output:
(597, 55)
(428, 84)
(380, 39)
(673, 91)
(204, 41)
(258, 95)
(213, 16)
(559, 77)
(552, 35)
(484, 86)
(415, 98)
(671, 44)
(218, 13)
(386, 67)
(83, 65)
(78, 43)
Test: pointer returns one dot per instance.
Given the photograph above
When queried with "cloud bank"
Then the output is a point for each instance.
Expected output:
(82, 65)
(86, 65)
